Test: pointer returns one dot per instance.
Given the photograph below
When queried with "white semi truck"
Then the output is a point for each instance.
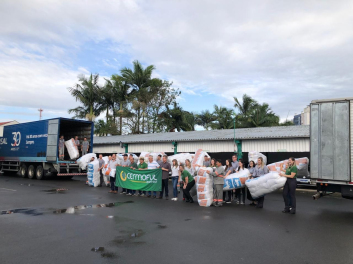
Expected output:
(331, 146)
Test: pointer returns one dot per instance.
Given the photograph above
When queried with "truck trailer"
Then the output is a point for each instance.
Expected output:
(331, 146)
(32, 148)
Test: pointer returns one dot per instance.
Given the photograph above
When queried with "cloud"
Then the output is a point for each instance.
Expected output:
(282, 53)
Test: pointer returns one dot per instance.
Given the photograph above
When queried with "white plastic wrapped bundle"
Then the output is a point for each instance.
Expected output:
(72, 149)
(204, 195)
(301, 163)
(180, 158)
(206, 202)
(154, 154)
(253, 155)
(198, 159)
(236, 180)
(265, 184)
(203, 180)
(105, 177)
(84, 160)
(93, 174)
(112, 173)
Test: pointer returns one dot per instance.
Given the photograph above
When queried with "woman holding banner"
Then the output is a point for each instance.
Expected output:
(188, 181)
(251, 169)
(175, 178)
(228, 170)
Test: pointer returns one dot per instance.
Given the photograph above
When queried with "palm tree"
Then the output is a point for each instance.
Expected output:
(139, 78)
(263, 116)
(246, 106)
(224, 117)
(120, 92)
(205, 119)
(87, 92)
(177, 119)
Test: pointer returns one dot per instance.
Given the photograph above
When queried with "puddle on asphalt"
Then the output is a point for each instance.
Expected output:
(26, 211)
(69, 210)
(188, 219)
(129, 238)
(162, 226)
(26, 184)
(104, 254)
(51, 191)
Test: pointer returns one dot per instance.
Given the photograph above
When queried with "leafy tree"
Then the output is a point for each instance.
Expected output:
(205, 119)
(287, 123)
(86, 92)
(102, 128)
(139, 78)
(177, 119)
(224, 118)
(262, 116)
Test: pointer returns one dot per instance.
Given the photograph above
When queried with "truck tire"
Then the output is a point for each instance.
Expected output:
(23, 171)
(40, 172)
(31, 172)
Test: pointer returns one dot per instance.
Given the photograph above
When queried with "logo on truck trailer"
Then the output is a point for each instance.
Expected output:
(16, 139)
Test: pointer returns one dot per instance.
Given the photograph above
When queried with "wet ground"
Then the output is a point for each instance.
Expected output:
(57, 221)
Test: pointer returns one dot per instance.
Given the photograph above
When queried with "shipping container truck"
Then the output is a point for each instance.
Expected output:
(331, 149)
(32, 148)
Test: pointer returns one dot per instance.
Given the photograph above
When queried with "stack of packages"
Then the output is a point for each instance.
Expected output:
(301, 163)
(236, 180)
(204, 187)
(84, 160)
(253, 155)
(265, 184)
(199, 158)
(72, 149)
(93, 173)
(104, 170)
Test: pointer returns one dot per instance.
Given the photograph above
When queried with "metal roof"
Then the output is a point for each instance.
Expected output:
(225, 134)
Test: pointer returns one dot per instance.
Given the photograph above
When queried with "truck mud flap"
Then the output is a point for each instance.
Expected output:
(347, 191)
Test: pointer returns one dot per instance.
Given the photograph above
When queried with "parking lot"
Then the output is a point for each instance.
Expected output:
(40, 224)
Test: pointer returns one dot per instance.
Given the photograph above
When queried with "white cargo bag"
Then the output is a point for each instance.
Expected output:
(236, 180)
(84, 160)
(265, 184)
(93, 174)
(253, 155)
(72, 149)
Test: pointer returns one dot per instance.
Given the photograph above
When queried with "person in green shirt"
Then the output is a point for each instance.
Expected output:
(133, 166)
(188, 181)
(289, 188)
(142, 166)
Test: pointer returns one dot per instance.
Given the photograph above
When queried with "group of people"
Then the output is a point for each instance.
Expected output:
(84, 146)
(182, 175)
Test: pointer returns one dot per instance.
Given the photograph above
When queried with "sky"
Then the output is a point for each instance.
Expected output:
(285, 53)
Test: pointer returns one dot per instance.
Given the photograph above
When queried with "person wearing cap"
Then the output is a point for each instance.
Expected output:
(125, 163)
(142, 166)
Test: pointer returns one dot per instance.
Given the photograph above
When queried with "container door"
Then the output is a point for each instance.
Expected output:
(329, 138)
(53, 137)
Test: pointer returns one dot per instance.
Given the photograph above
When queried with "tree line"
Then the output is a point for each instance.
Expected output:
(135, 103)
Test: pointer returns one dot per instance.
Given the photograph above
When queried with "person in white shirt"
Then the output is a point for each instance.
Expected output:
(152, 165)
(175, 178)
(112, 165)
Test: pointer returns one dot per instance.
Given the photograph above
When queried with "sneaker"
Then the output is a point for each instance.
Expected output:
(148, 196)
(238, 202)
(142, 194)
(154, 197)
(134, 194)
(121, 193)
(175, 199)
(242, 203)
(228, 202)
(129, 194)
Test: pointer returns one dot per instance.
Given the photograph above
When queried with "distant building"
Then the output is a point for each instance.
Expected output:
(305, 116)
(297, 120)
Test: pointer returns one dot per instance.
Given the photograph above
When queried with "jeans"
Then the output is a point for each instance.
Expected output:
(154, 193)
(175, 188)
(289, 193)
(101, 178)
(112, 184)
(240, 194)
(164, 187)
(260, 202)
(186, 191)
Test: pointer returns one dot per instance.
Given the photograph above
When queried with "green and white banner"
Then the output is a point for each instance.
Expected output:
(144, 180)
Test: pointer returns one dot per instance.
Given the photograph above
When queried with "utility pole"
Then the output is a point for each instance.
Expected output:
(40, 113)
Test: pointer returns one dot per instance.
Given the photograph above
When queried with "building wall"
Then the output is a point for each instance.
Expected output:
(305, 120)
(297, 120)
(263, 145)
(277, 145)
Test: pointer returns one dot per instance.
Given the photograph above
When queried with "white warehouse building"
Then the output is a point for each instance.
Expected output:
(276, 143)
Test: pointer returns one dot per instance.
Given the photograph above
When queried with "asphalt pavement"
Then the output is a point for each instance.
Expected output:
(41, 224)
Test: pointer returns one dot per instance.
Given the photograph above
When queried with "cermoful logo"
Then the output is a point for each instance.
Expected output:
(143, 178)
(16, 139)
